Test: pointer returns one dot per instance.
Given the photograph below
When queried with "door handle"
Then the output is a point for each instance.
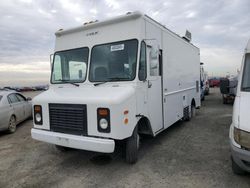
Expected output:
(149, 84)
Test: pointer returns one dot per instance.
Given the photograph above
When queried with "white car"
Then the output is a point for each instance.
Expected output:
(240, 127)
(14, 108)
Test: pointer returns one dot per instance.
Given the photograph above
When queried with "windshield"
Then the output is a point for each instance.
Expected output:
(70, 66)
(246, 74)
(114, 61)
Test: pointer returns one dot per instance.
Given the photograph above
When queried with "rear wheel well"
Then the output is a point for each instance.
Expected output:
(144, 126)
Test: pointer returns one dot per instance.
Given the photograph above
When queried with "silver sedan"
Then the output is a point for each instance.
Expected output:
(14, 108)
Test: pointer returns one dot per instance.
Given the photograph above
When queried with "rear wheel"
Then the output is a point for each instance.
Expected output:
(236, 169)
(132, 147)
(12, 124)
(193, 111)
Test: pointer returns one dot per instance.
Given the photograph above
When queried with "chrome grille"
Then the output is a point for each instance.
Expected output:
(68, 118)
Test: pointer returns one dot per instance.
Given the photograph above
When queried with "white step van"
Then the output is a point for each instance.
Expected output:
(240, 127)
(115, 80)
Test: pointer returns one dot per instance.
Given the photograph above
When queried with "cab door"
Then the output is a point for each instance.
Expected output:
(26, 106)
(154, 89)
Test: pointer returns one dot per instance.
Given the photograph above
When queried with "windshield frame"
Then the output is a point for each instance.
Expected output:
(64, 82)
(113, 43)
(247, 55)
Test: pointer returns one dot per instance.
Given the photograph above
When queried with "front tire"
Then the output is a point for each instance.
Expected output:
(132, 147)
(236, 169)
(12, 124)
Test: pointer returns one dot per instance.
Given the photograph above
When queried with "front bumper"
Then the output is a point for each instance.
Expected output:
(241, 157)
(72, 141)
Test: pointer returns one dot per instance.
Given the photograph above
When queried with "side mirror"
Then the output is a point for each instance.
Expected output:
(154, 53)
(153, 64)
(29, 99)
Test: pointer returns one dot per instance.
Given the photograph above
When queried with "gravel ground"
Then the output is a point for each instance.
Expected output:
(188, 154)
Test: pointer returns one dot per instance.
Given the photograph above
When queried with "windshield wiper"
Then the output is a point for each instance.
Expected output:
(68, 82)
(75, 84)
(111, 79)
(99, 83)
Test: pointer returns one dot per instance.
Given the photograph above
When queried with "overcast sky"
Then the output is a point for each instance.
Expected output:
(220, 28)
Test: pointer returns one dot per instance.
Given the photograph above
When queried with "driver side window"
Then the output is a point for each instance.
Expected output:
(143, 62)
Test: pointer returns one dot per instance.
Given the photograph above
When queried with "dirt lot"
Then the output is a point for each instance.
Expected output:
(188, 154)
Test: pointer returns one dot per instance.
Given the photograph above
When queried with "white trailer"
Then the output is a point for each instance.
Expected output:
(115, 80)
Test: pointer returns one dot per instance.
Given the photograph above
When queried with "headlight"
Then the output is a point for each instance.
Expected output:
(38, 115)
(103, 123)
(103, 120)
(242, 138)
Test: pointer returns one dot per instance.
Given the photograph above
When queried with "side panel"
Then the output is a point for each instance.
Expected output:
(181, 71)
(5, 113)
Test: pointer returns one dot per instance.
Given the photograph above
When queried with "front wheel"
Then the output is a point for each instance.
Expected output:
(12, 124)
(132, 147)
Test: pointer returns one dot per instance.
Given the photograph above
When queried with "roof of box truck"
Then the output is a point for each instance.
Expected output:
(96, 23)
(128, 16)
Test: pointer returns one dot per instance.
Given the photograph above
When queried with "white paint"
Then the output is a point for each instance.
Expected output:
(177, 86)
(241, 116)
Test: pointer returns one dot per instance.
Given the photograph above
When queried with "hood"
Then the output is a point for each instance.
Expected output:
(86, 95)
(244, 117)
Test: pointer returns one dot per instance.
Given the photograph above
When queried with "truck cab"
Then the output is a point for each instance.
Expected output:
(240, 127)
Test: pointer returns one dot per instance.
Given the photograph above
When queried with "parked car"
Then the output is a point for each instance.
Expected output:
(14, 108)
(240, 128)
(214, 82)
(22, 89)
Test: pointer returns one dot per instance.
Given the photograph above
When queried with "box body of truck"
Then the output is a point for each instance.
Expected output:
(116, 79)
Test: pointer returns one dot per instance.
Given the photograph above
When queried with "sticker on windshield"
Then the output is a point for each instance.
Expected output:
(117, 47)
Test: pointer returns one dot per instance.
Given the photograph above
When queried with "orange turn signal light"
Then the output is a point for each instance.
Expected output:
(103, 112)
(126, 121)
(37, 108)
